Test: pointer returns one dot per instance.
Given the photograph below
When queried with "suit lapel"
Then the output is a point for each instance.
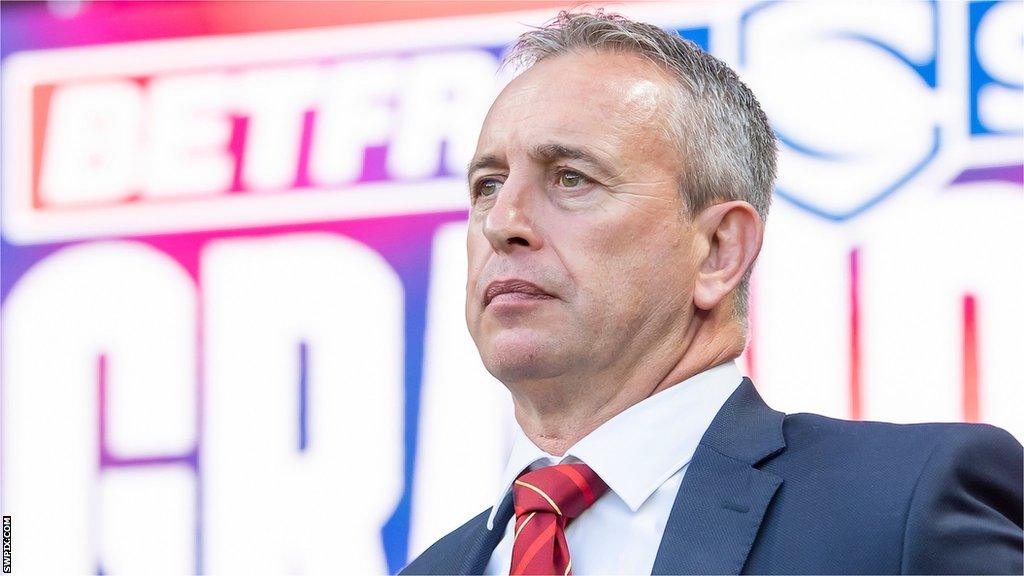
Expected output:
(715, 517)
(474, 550)
(723, 497)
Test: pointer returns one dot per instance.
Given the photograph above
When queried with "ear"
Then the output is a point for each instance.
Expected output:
(732, 232)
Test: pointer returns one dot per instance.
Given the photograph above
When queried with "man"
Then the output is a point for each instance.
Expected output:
(619, 191)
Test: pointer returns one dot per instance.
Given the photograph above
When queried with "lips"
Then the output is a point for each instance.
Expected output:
(520, 289)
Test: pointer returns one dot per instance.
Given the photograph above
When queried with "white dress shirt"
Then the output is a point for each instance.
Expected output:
(642, 454)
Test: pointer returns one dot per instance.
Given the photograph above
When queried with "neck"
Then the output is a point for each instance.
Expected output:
(557, 414)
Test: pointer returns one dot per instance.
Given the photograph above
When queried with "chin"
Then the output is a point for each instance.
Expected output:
(512, 358)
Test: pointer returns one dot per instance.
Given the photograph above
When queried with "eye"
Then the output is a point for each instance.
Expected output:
(488, 187)
(570, 179)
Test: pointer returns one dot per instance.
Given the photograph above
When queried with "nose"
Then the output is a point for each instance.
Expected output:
(510, 224)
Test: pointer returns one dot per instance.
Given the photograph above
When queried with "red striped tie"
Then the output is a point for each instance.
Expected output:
(546, 500)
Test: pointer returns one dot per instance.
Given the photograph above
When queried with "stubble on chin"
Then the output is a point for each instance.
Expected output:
(526, 359)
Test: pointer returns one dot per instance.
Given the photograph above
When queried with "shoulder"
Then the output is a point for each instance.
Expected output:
(434, 560)
(807, 429)
(878, 441)
(881, 456)
(965, 514)
(933, 497)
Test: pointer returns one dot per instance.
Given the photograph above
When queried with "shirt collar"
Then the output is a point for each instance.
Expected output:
(667, 426)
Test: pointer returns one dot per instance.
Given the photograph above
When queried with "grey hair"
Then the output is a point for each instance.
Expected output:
(723, 135)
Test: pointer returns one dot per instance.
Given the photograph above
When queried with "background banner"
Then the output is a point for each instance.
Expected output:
(233, 263)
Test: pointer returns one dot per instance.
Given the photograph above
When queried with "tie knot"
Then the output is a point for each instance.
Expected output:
(565, 489)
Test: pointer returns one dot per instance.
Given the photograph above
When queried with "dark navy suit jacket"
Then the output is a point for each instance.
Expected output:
(801, 493)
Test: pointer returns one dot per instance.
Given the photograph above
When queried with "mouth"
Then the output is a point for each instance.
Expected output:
(514, 290)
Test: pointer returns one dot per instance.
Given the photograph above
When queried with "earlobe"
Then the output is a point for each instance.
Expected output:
(733, 232)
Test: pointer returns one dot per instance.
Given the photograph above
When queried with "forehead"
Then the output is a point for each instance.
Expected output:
(602, 100)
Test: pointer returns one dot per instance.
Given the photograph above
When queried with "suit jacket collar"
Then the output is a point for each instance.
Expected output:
(716, 514)
(746, 428)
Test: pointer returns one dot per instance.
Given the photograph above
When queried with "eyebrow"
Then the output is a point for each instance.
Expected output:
(485, 161)
(546, 153)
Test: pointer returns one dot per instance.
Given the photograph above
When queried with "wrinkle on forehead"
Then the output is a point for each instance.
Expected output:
(612, 103)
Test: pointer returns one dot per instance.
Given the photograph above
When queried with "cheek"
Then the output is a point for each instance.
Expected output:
(634, 266)
(600, 258)
(477, 249)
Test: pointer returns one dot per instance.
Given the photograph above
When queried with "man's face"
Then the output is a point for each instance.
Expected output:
(580, 253)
